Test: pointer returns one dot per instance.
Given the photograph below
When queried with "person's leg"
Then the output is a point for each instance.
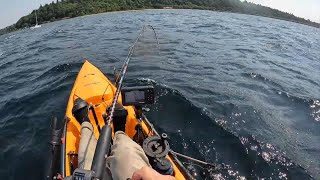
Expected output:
(87, 146)
(126, 157)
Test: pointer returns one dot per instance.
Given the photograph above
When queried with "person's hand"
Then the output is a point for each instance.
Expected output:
(147, 173)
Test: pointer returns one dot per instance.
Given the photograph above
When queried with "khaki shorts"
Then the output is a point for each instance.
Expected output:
(126, 155)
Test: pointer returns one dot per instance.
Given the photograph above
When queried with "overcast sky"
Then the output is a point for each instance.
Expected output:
(308, 9)
(12, 10)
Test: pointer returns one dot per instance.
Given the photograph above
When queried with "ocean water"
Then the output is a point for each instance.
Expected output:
(231, 89)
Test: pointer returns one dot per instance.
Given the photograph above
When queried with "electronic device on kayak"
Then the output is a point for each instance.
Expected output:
(82, 174)
(137, 96)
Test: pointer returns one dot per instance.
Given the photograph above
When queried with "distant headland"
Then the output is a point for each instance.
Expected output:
(65, 9)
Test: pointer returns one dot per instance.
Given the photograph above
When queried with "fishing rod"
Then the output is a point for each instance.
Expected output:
(123, 73)
(105, 138)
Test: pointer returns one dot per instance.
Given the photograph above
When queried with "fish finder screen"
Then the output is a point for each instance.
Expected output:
(134, 96)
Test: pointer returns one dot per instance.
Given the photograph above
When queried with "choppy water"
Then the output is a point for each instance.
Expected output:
(234, 89)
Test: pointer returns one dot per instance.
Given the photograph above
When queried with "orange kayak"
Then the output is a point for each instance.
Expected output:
(98, 91)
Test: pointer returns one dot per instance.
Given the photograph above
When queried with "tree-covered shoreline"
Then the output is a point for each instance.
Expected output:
(73, 8)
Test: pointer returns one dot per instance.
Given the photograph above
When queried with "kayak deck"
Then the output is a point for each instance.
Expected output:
(92, 86)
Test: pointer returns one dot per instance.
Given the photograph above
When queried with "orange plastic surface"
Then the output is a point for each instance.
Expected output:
(92, 86)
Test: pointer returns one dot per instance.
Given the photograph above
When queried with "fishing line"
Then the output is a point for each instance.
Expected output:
(124, 70)
(119, 86)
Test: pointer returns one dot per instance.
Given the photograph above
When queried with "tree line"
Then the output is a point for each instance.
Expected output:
(72, 8)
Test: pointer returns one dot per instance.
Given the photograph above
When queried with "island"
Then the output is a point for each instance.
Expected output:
(63, 9)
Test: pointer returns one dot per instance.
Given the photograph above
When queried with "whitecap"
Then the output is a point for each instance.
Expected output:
(147, 80)
(266, 156)
(9, 37)
(315, 109)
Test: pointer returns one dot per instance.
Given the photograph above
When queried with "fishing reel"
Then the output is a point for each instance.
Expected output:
(156, 149)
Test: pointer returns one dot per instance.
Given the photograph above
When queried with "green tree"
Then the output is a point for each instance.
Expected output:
(73, 8)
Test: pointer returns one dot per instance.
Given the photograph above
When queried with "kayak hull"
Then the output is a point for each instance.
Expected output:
(95, 88)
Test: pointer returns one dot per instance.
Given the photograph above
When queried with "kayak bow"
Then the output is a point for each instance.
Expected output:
(97, 90)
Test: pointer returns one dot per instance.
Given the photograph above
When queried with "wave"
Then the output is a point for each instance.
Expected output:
(9, 37)
(189, 125)
(310, 104)
(315, 109)
(212, 25)
(53, 81)
(246, 51)
(207, 101)
(58, 69)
